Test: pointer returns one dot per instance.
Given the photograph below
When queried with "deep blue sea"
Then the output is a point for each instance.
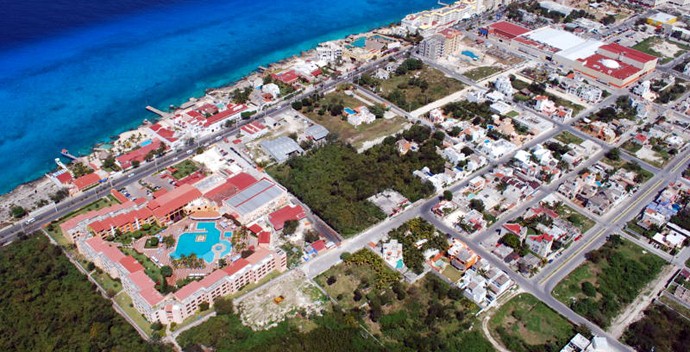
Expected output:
(76, 72)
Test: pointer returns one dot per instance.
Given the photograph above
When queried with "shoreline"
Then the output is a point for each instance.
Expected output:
(31, 187)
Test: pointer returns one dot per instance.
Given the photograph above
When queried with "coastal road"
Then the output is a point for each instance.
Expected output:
(82, 199)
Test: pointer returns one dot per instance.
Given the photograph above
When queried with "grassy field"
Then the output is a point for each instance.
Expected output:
(610, 279)
(184, 169)
(567, 138)
(580, 221)
(152, 270)
(479, 73)
(110, 285)
(631, 147)
(523, 323)
(125, 302)
(439, 87)
(454, 275)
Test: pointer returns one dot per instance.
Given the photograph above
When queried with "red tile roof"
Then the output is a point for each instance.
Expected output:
(264, 237)
(287, 77)
(147, 288)
(121, 220)
(242, 180)
(236, 266)
(631, 53)
(65, 177)
(280, 216)
(99, 245)
(232, 110)
(222, 192)
(253, 127)
(119, 196)
(258, 255)
(514, 228)
(173, 200)
(507, 29)
(622, 72)
(125, 160)
(542, 238)
(131, 264)
(159, 193)
(319, 245)
(255, 229)
(165, 133)
(87, 181)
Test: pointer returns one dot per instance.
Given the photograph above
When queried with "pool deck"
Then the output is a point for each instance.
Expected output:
(162, 254)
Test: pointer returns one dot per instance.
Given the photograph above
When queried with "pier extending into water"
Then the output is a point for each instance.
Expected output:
(156, 111)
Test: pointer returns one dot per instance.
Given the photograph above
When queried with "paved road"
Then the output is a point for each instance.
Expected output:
(71, 204)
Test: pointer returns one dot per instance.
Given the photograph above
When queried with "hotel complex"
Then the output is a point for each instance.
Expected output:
(176, 307)
(242, 198)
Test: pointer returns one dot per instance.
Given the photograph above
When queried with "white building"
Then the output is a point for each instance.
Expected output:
(393, 254)
(362, 115)
(329, 51)
(503, 85)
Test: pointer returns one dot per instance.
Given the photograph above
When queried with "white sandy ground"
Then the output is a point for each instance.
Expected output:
(635, 310)
(666, 49)
(259, 311)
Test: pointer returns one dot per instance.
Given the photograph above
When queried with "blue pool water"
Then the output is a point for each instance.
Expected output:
(188, 244)
(76, 72)
(470, 54)
(145, 143)
(349, 111)
(359, 42)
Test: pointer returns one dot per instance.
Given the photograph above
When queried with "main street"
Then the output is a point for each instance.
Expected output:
(71, 204)
(540, 285)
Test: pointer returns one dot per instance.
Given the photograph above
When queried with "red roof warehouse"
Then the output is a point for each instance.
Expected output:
(507, 30)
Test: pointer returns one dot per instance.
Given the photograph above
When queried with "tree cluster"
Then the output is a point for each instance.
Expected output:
(335, 181)
(49, 306)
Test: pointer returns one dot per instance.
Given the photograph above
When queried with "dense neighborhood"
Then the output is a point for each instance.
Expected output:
(481, 176)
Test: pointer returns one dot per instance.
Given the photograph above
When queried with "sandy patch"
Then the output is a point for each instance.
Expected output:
(665, 48)
(299, 295)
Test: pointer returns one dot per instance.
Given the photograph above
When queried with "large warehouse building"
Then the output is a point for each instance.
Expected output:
(612, 64)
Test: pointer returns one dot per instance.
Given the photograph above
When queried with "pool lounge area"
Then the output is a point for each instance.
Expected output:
(206, 242)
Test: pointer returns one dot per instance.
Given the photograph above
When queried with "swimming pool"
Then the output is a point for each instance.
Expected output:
(359, 42)
(349, 111)
(145, 143)
(470, 54)
(204, 242)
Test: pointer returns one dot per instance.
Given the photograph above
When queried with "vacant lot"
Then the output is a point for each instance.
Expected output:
(663, 49)
(610, 279)
(335, 181)
(580, 221)
(479, 73)
(357, 136)
(526, 324)
(567, 138)
(429, 315)
(281, 300)
(399, 90)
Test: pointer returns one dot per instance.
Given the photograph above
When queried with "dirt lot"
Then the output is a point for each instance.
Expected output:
(259, 309)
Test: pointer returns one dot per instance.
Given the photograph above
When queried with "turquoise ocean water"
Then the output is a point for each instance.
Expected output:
(76, 72)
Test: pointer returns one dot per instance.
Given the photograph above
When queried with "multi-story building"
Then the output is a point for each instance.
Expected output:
(442, 44)
(175, 308)
(430, 22)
